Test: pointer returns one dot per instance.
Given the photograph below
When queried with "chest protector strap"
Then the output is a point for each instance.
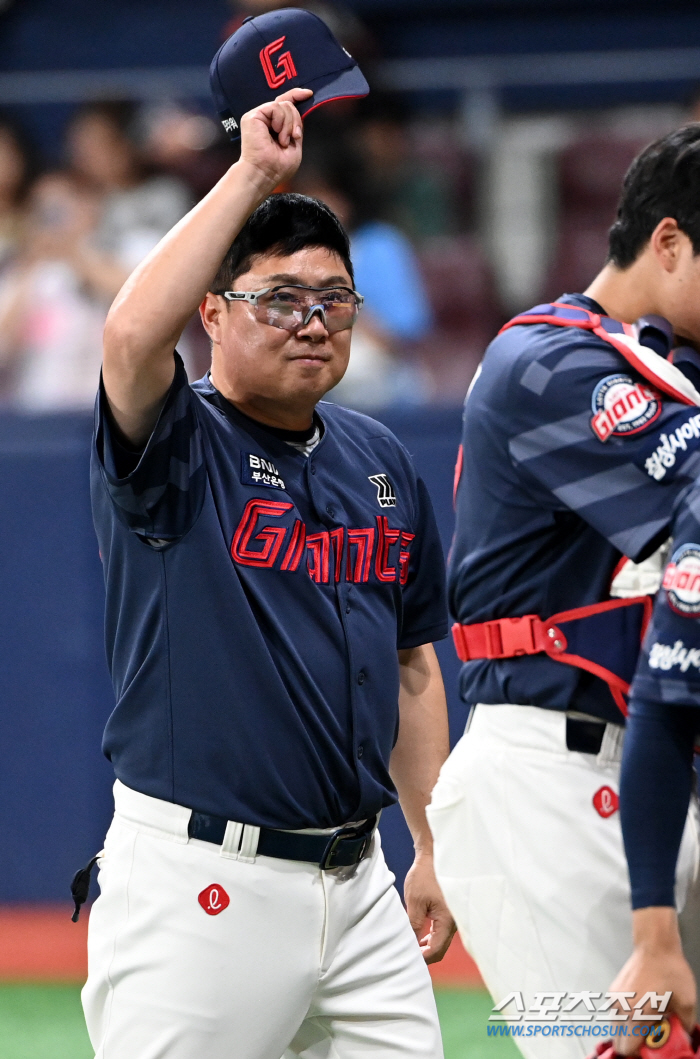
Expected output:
(658, 371)
(601, 638)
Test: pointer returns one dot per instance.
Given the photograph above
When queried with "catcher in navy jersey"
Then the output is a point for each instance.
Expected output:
(581, 435)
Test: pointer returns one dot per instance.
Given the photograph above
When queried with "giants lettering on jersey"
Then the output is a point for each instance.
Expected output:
(682, 580)
(332, 555)
(622, 406)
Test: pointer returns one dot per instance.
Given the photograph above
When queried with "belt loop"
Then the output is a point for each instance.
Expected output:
(232, 840)
(249, 843)
(611, 747)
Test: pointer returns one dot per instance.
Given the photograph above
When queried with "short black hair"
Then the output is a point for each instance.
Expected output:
(284, 224)
(663, 181)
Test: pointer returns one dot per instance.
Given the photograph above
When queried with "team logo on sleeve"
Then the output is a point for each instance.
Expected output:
(385, 490)
(622, 406)
(255, 470)
(682, 580)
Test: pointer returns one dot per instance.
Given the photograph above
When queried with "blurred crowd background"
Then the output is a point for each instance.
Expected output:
(461, 209)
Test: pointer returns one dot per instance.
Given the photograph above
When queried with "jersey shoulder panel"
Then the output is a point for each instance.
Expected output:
(363, 429)
(161, 498)
(543, 365)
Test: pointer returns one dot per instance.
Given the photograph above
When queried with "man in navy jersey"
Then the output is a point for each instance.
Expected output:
(274, 584)
(581, 433)
(657, 777)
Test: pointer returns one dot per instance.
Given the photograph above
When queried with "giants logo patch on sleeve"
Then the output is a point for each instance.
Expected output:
(255, 470)
(682, 580)
(622, 406)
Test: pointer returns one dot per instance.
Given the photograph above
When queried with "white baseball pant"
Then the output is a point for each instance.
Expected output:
(533, 873)
(300, 963)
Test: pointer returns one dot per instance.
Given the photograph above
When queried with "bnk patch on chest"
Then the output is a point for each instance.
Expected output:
(255, 470)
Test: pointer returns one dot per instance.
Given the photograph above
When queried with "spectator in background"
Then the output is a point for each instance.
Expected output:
(414, 197)
(87, 228)
(138, 206)
(396, 312)
(18, 167)
(186, 144)
(53, 301)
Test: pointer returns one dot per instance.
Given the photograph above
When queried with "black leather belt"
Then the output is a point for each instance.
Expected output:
(341, 849)
(586, 737)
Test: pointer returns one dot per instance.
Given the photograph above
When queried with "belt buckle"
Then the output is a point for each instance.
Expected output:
(326, 862)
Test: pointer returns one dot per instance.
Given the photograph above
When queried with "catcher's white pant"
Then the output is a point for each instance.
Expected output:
(302, 962)
(534, 875)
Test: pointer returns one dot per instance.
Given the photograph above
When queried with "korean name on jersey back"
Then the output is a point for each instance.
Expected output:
(682, 439)
(342, 554)
(666, 656)
(682, 580)
(622, 406)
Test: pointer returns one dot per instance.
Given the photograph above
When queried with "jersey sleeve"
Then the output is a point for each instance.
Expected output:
(655, 787)
(161, 497)
(668, 670)
(423, 573)
(602, 442)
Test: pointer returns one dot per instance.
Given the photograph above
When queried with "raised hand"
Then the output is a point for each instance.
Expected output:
(271, 138)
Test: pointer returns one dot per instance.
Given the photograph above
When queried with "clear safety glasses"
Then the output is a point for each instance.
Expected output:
(292, 307)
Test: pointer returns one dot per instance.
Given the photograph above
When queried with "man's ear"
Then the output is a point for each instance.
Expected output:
(667, 243)
(210, 313)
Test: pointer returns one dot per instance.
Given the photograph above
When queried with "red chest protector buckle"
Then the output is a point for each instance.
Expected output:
(503, 638)
(531, 635)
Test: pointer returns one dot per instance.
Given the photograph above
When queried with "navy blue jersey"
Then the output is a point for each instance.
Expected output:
(571, 460)
(664, 722)
(256, 599)
(669, 666)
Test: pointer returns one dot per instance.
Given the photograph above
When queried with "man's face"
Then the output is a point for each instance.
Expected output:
(682, 293)
(254, 360)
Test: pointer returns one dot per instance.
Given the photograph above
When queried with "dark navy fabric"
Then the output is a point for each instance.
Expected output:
(655, 788)
(664, 719)
(252, 624)
(669, 665)
(545, 509)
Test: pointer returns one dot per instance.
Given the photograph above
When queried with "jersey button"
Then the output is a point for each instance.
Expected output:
(360, 750)
(347, 609)
(361, 677)
(312, 468)
(330, 510)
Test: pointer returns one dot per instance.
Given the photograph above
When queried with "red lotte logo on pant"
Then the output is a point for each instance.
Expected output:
(214, 899)
(606, 801)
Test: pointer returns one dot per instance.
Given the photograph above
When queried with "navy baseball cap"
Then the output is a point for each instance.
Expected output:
(271, 53)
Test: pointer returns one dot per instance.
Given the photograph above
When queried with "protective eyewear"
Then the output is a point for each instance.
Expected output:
(291, 307)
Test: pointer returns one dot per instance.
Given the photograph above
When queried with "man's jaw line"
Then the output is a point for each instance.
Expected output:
(292, 411)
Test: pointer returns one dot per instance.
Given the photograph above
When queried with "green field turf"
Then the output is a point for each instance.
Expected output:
(46, 1022)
